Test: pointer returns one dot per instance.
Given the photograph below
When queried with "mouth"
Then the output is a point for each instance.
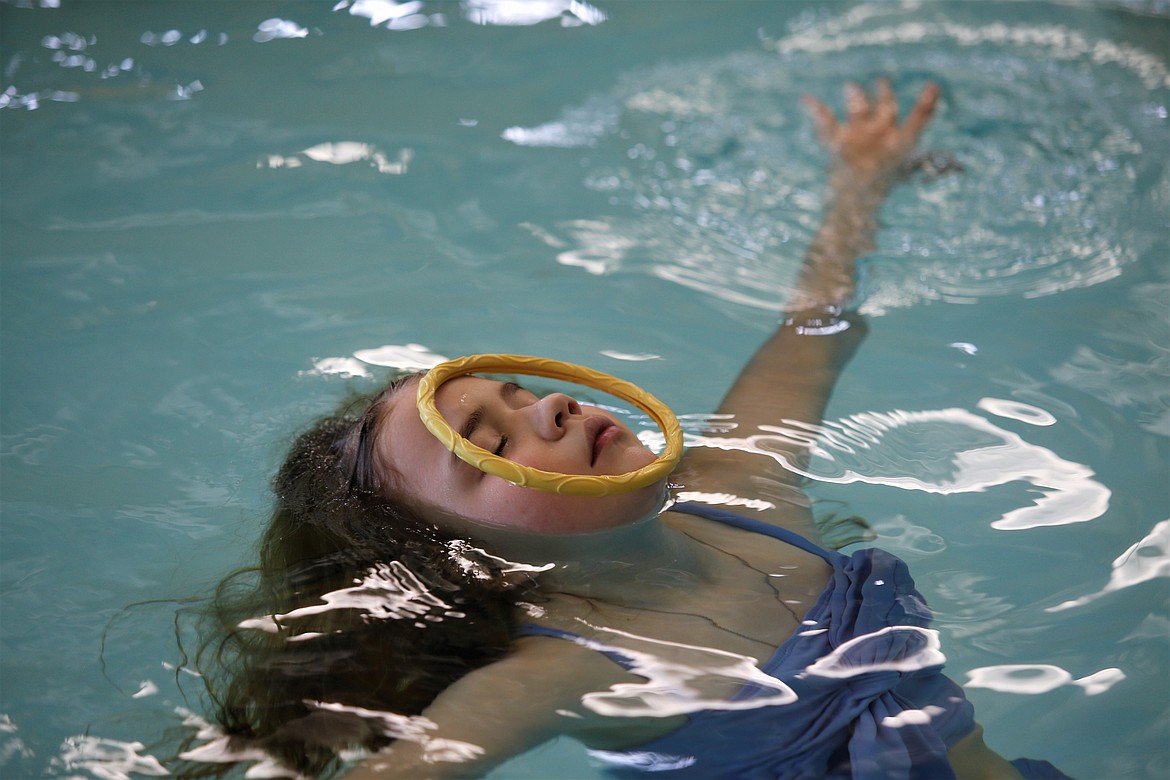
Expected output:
(599, 432)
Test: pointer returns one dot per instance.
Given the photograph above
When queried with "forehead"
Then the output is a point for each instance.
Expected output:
(405, 445)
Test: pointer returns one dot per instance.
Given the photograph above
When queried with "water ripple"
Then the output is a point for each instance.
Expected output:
(713, 158)
(1146, 560)
(940, 451)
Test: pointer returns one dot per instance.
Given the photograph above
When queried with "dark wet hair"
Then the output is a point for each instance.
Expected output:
(357, 603)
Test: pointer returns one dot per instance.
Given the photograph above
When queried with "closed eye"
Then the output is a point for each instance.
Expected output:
(499, 450)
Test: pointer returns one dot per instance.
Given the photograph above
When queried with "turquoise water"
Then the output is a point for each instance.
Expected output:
(212, 223)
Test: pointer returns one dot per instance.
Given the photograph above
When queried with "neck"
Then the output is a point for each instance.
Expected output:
(636, 564)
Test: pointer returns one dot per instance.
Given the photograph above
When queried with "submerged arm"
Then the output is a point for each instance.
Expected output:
(502, 710)
(793, 372)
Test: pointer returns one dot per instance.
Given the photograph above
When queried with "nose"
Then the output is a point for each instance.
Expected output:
(552, 414)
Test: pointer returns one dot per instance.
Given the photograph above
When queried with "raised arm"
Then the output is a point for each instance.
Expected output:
(792, 374)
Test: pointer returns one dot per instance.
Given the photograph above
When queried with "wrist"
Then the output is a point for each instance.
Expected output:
(863, 188)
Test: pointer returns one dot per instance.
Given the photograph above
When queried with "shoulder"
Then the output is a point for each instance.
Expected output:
(543, 678)
(739, 477)
(508, 707)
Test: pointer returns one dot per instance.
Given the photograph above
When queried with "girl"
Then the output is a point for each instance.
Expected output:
(389, 614)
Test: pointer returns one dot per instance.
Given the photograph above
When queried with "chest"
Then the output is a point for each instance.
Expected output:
(750, 600)
(696, 650)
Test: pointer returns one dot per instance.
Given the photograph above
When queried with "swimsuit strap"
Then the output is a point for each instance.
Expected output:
(708, 512)
(613, 654)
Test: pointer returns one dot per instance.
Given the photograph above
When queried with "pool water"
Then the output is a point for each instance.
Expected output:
(216, 217)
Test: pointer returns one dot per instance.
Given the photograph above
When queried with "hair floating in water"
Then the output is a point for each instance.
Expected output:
(550, 481)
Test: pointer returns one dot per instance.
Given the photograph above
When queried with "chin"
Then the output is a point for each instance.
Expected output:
(625, 509)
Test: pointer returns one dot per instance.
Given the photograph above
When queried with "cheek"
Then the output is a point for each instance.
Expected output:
(641, 456)
(510, 506)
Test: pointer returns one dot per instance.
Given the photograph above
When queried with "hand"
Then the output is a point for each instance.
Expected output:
(870, 147)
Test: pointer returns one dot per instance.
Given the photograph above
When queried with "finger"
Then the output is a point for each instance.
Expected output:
(887, 104)
(922, 111)
(823, 119)
(856, 100)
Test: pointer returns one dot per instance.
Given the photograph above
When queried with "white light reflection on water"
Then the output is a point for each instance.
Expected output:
(343, 153)
(1039, 678)
(723, 499)
(275, 28)
(630, 356)
(387, 591)
(219, 750)
(12, 745)
(171, 37)
(417, 357)
(145, 688)
(1146, 560)
(392, 591)
(481, 564)
(412, 728)
(412, 14)
(11, 98)
(941, 451)
(388, 13)
(913, 717)
(407, 357)
(676, 686)
(891, 649)
(572, 13)
(1014, 410)
(108, 759)
(338, 366)
(677, 675)
(410, 357)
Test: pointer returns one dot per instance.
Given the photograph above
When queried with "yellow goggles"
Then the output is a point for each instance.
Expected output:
(549, 481)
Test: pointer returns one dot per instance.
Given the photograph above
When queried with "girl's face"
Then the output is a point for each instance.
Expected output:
(553, 433)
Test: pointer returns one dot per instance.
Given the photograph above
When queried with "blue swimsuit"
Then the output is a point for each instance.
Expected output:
(877, 708)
